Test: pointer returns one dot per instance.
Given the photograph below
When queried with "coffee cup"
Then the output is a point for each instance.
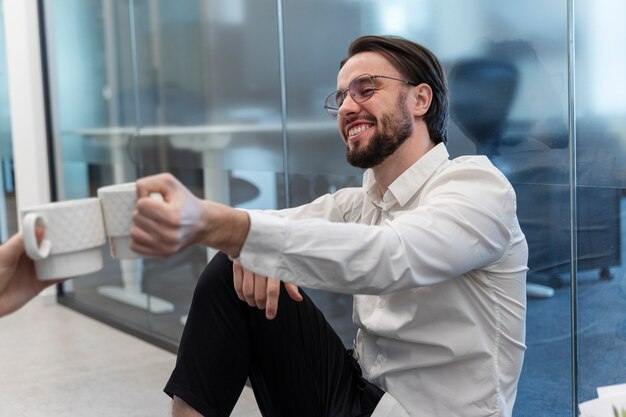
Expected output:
(118, 204)
(72, 240)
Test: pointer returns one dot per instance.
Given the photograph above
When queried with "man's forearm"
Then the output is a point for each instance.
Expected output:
(225, 228)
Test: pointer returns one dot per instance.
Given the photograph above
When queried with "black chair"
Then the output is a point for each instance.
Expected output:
(481, 95)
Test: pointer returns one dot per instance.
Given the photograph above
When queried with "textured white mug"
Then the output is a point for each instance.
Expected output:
(72, 241)
(118, 203)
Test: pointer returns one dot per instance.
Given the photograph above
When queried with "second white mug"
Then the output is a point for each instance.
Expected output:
(118, 203)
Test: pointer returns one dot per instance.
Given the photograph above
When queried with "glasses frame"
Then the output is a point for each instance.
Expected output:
(331, 106)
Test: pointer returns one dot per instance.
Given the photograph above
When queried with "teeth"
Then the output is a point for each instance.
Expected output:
(358, 129)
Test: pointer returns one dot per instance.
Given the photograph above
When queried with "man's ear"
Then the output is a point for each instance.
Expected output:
(423, 97)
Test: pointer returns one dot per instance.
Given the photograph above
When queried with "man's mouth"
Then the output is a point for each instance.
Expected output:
(353, 131)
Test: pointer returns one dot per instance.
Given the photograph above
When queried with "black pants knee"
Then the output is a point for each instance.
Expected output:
(296, 363)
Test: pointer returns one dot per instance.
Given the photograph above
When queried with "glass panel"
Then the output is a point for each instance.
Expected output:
(601, 149)
(209, 99)
(92, 84)
(507, 66)
(178, 87)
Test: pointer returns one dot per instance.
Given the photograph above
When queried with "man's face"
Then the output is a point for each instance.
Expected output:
(374, 129)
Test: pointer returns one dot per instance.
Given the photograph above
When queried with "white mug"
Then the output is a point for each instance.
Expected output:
(118, 203)
(73, 237)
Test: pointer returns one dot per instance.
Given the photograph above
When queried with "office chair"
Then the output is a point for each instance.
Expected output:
(482, 93)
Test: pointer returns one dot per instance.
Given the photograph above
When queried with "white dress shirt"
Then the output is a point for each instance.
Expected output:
(437, 266)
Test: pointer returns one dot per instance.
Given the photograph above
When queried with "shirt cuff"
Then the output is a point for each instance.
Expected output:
(264, 244)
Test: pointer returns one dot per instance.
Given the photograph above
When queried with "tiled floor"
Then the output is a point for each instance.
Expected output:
(55, 362)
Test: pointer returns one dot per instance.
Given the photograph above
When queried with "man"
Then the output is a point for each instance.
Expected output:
(430, 248)
(18, 281)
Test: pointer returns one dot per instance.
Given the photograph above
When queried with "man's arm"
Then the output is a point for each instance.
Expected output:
(163, 228)
(463, 222)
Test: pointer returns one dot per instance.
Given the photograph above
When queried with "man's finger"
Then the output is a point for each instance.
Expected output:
(260, 294)
(148, 226)
(148, 245)
(160, 183)
(293, 292)
(238, 280)
(150, 208)
(273, 293)
(148, 250)
(248, 287)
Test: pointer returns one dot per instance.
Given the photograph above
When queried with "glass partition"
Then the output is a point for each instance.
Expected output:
(601, 181)
(227, 95)
(141, 87)
(208, 99)
(92, 82)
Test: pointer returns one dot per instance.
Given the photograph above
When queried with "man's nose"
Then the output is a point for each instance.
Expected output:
(349, 106)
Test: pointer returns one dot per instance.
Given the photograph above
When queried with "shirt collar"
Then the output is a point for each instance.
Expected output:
(409, 182)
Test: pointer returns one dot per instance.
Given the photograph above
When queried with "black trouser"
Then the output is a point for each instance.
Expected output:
(296, 363)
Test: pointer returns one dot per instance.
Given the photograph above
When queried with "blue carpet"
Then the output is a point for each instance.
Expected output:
(546, 385)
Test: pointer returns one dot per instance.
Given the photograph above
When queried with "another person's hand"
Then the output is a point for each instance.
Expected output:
(18, 280)
(259, 291)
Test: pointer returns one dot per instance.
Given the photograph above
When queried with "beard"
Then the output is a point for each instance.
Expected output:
(395, 129)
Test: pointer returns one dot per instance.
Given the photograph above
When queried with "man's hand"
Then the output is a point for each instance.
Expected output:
(163, 228)
(18, 281)
(259, 291)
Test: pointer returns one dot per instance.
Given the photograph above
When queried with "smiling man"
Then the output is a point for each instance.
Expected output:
(430, 248)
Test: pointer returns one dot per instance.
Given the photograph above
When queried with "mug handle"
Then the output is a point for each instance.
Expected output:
(157, 197)
(34, 250)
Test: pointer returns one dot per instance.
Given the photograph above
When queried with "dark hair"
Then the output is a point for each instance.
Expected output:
(417, 64)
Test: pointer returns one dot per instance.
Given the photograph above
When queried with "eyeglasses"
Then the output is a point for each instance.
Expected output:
(361, 89)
